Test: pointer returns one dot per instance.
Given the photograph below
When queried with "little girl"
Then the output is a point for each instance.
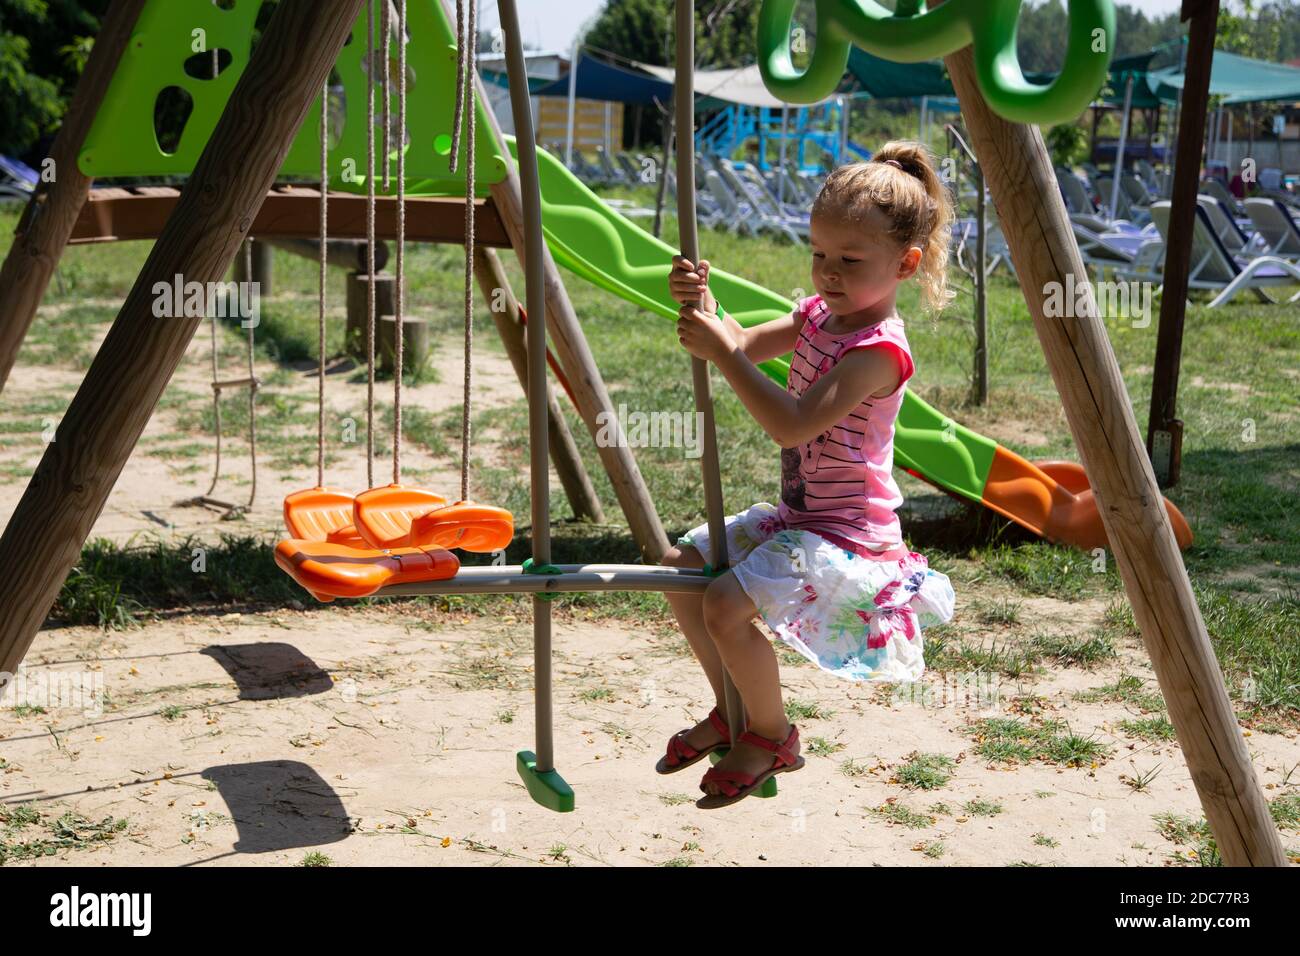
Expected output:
(827, 569)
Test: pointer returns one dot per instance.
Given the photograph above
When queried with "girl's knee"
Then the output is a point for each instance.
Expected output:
(685, 556)
(725, 605)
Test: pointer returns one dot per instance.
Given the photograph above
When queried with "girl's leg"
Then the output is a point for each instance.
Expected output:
(728, 614)
(690, 617)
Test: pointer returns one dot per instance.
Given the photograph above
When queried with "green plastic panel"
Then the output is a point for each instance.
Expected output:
(593, 241)
(122, 141)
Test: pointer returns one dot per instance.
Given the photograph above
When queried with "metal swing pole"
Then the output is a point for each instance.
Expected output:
(684, 95)
(535, 296)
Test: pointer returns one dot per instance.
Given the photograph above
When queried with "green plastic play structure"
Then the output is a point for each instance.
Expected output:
(173, 48)
(171, 54)
(912, 34)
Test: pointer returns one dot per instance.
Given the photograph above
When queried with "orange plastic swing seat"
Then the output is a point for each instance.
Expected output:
(329, 570)
(321, 514)
(464, 525)
(383, 515)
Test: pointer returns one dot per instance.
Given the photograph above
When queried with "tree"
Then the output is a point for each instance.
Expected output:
(725, 31)
(43, 49)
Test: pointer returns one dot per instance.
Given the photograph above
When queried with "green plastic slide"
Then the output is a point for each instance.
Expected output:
(593, 241)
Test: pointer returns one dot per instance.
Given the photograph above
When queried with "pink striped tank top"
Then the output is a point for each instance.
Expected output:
(840, 484)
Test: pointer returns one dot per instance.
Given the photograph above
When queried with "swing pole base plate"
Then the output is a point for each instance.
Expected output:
(547, 788)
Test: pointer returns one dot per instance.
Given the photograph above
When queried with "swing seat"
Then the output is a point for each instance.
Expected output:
(331, 571)
(464, 525)
(321, 514)
(383, 516)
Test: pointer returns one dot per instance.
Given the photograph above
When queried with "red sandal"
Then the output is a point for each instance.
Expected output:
(786, 759)
(681, 755)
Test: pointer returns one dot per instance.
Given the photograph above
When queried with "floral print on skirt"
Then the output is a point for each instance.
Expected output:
(855, 617)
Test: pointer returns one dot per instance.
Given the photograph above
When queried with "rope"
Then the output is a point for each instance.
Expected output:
(216, 405)
(324, 222)
(401, 238)
(460, 83)
(465, 79)
(370, 243)
(385, 28)
(252, 382)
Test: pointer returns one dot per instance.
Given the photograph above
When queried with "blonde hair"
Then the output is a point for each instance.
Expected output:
(911, 197)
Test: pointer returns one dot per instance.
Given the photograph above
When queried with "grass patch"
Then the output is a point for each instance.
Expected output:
(1009, 740)
(1066, 650)
(27, 834)
(893, 812)
(981, 808)
(821, 747)
(1152, 729)
(796, 710)
(925, 771)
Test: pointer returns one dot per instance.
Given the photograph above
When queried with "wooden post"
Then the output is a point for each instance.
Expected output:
(1164, 429)
(415, 343)
(564, 451)
(590, 394)
(668, 127)
(140, 353)
(1038, 231)
(52, 211)
(981, 285)
(262, 268)
(354, 334)
(347, 254)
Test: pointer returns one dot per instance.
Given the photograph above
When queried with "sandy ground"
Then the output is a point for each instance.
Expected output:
(375, 737)
(388, 735)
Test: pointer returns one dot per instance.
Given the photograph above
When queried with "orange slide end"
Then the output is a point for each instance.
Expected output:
(1053, 499)
(330, 570)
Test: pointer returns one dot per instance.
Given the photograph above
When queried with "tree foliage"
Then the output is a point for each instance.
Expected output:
(43, 49)
(644, 30)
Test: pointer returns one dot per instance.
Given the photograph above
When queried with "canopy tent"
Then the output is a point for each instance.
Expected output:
(741, 85)
(1135, 68)
(1238, 79)
(596, 80)
(884, 79)
(498, 78)
(645, 83)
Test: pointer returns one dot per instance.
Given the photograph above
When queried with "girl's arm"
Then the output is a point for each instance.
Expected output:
(770, 339)
(689, 284)
(790, 421)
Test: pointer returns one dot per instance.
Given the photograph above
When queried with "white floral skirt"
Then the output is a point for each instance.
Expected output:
(857, 618)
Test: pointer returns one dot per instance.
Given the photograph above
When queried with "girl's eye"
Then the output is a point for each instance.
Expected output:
(852, 260)
(819, 255)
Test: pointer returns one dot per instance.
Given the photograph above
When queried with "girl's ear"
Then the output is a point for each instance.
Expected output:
(909, 263)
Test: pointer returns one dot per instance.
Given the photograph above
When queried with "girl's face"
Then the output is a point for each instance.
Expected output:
(856, 267)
